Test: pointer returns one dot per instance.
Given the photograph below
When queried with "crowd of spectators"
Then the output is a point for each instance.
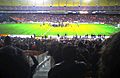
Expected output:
(25, 43)
(14, 62)
(6, 18)
(89, 49)
(72, 58)
(93, 58)
(90, 18)
(87, 57)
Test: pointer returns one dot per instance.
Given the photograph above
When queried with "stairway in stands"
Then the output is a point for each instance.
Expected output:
(42, 72)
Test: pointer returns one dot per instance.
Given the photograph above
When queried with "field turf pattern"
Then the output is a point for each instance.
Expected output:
(72, 29)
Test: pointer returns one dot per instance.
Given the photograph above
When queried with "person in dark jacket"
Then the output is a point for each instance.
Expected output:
(68, 68)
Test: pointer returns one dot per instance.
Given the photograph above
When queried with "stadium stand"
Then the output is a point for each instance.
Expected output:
(97, 56)
(6, 18)
(82, 18)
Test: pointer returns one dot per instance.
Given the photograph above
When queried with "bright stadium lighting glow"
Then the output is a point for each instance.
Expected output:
(40, 1)
(87, 1)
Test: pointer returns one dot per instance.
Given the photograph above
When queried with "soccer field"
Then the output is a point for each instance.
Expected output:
(72, 29)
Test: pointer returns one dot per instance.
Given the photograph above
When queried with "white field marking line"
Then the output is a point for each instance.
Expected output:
(48, 30)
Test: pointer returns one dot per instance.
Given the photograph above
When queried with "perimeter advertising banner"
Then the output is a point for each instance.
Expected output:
(4, 34)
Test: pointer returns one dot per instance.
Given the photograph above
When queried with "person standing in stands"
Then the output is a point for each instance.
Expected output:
(69, 68)
(13, 63)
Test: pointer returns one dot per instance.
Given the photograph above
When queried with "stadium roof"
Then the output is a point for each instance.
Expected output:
(59, 2)
(60, 6)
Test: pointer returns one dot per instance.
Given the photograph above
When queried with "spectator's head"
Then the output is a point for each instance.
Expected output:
(110, 63)
(69, 53)
(13, 66)
(7, 40)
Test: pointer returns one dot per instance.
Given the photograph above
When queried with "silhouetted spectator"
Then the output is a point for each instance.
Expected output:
(13, 63)
(83, 51)
(110, 61)
(55, 52)
(68, 68)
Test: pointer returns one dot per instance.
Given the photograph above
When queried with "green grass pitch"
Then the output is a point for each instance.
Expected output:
(72, 29)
